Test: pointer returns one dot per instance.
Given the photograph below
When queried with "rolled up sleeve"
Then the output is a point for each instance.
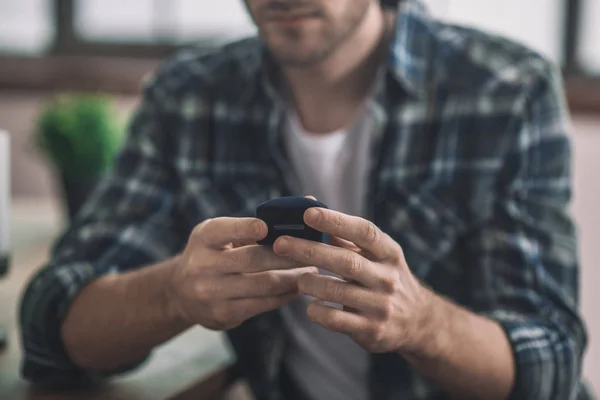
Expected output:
(43, 310)
(547, 354)
(527, 270)
(125, 224)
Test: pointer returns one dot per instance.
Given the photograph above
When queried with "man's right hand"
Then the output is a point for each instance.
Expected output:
(224, 278)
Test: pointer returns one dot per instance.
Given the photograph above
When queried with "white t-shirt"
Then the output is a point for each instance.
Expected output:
(333, 168)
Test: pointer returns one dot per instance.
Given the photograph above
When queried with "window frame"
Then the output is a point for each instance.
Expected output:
(72, 53)
(572, 37)
(67, 41)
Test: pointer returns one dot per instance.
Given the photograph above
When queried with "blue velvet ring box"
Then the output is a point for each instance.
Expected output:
(285, 217)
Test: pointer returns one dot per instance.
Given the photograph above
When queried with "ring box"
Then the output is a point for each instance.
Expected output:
(285, 217)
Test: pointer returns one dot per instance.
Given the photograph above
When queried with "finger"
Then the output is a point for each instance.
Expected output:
(220, 232)
(243, 243)
(337, 320)
(362, 232)
(264, 284)
(346, 244)
(343, 243)
(254, 258)
(244, 309)
(331, 289)
(311, 197)
(343, 262)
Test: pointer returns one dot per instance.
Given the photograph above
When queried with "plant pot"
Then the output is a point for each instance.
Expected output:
(4, 264)
(75, 194)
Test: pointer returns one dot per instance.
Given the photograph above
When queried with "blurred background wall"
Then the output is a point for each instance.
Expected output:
(108, 46)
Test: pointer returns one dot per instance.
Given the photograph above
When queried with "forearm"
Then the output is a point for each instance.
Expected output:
(468, 355)
(118, 319)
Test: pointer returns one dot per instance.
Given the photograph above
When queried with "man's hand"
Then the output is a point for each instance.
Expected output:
(224, 278)
(386, 309)
(385, 306)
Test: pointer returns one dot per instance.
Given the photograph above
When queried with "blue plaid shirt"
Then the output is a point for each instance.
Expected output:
(471, 176)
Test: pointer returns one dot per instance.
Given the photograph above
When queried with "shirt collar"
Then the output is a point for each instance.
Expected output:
(412, 47)
(409, 58)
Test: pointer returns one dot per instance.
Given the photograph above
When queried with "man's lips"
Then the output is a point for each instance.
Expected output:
(290, 17)
(290, 22)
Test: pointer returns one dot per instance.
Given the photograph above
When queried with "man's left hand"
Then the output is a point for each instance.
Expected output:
(385, 308)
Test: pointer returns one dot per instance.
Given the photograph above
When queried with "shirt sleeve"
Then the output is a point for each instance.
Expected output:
(125, 224)
(525, 254)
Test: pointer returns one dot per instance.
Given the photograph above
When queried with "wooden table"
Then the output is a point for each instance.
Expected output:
(194, 365)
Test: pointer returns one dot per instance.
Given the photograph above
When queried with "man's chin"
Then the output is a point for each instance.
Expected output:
(299, 59)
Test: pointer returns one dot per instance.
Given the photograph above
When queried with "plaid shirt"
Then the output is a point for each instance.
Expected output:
(471, 175)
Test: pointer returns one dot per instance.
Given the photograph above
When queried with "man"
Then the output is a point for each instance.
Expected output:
(444, 158)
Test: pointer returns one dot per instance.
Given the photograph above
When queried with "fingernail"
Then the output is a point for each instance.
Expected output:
(300, 281)
(313, 214)
(282, 245)
(258, 228)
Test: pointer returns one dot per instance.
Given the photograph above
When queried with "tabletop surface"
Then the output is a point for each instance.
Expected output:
(173, 369)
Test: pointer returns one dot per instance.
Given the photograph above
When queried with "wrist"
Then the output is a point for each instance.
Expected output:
(429, 339)
(172, 309)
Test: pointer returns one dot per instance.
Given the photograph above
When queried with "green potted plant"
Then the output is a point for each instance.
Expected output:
(80, 134)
